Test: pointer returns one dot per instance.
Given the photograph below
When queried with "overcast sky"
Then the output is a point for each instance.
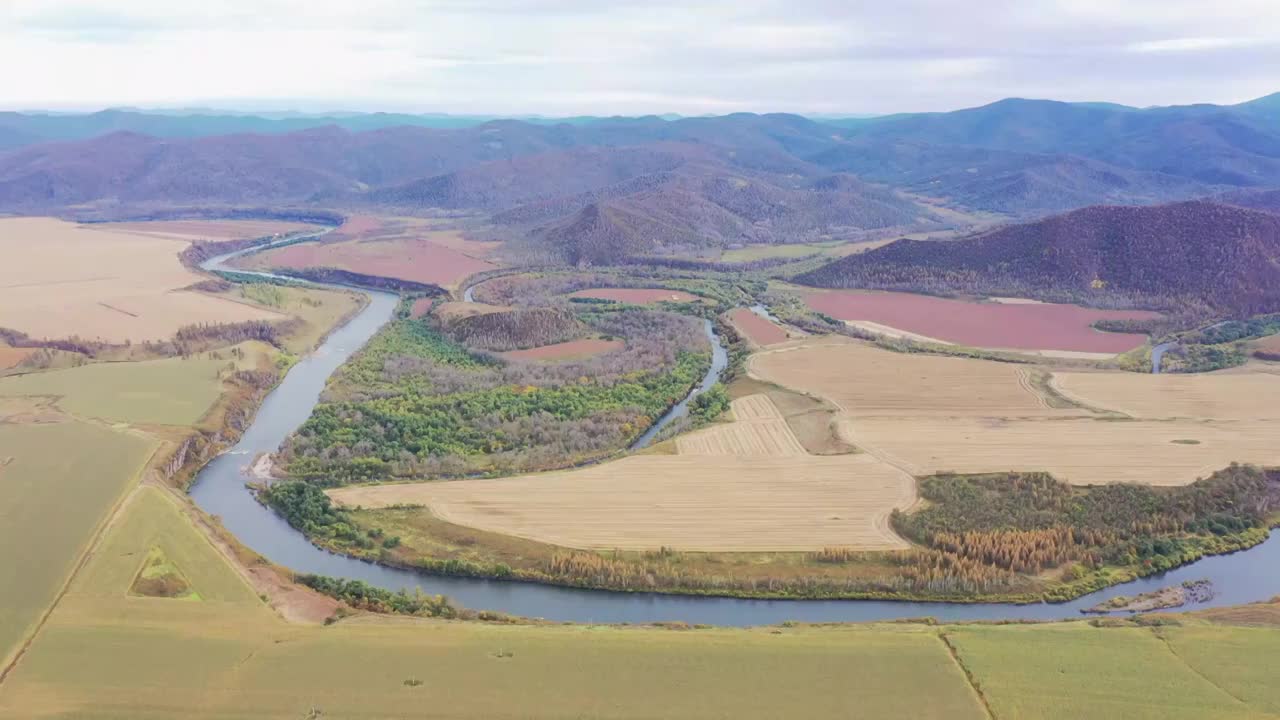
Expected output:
(561, 57)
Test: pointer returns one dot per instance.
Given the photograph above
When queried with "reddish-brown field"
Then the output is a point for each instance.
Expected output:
(758, 330)
(12, 356)
(1269, 345)
(636, 296)
(415, 259)
(1038, 326)
(207, 229)
(566, 350)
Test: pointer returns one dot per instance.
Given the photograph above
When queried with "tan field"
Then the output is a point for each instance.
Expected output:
(759, 430)
(1243, 396)
(1082, 451)
(192, 230)
(864, 380)
(745, 486)
(709, 503)
(927, 414)
(60, 280)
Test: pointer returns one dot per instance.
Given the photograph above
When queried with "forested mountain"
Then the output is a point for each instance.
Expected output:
(1176, 256)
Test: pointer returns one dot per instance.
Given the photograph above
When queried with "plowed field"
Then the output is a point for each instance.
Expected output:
(758, 330)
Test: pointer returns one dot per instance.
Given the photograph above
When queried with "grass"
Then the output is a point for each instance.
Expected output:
(1076, 671)
(160, 578)
(320, 310)
(42, 533)
(172, 391)
(1240, 660)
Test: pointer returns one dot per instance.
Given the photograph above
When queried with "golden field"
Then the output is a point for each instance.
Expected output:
(61, 280)
(929, 414)
(742, 486)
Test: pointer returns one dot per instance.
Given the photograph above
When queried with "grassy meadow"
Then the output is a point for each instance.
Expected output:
(319, 310)
(42, 534)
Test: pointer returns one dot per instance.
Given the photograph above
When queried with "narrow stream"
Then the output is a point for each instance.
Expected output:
(220, 489)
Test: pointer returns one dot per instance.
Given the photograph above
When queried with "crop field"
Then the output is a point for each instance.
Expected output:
(1077, 671)
(57, 482)
(1269, 344)
(760, 331)
(758, 430)
(426, 256)
(1230, 658)
(865, 380)
(1081, 451)
(171, 391)
(192, 230)
(1226, 396)
(712, 503)
(570, 350)
(61, 280)
(636, 296)
(1022, 326)
(319, 309)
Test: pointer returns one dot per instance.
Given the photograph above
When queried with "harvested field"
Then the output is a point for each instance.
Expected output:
(758, 430)
(60, 280)
(416, 259)
(635, 296)
(571, 350)
(57, 482)
(864, 380)
(1021, 326)
(1083, 451)
(9, 357)
(688, 502)
(172, 391)
(1077, 671)
(192, 230)
(760, 331)
(1225, 396)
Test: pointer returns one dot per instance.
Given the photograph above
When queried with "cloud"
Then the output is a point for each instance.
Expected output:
(629, 56)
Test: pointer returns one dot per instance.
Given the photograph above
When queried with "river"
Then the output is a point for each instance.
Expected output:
(219, 488)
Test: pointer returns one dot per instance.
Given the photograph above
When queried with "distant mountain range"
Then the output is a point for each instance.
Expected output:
(1178, 257)
(594, 189)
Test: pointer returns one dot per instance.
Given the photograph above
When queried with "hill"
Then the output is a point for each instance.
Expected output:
(1223, 258)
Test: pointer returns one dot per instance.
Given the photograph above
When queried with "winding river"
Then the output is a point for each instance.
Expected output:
(219, 489)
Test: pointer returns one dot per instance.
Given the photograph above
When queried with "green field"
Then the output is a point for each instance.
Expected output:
(1239, 660)
(42, 534)
(172, 391)
(1073, 671)
(107, 654)
(762, 252)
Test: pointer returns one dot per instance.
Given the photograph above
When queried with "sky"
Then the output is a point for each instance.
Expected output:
(603, 57)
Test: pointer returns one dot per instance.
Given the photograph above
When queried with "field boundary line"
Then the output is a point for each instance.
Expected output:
(95, 541)
(968, 676)
(1164, 640)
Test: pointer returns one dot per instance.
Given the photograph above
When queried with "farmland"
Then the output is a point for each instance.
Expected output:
(42, 534)
(747, 486)
(9, 356)
(888, 383)
(102, 285)
(1218, 396)
(1075, 671)
(422, 255)
(569, 350)
(171, 391)
(193, 230)
(760, 331)
(1034, 326)
(637, 296)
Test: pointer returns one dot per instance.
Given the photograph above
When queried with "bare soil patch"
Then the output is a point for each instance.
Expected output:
(572, 349)
(59, 280)
(416, 259)
(10, 357)
(1021, 326)
(760, 331)
(208, 229)
(635, 296)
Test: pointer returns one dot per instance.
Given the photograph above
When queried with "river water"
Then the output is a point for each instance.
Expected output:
(220, 489)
